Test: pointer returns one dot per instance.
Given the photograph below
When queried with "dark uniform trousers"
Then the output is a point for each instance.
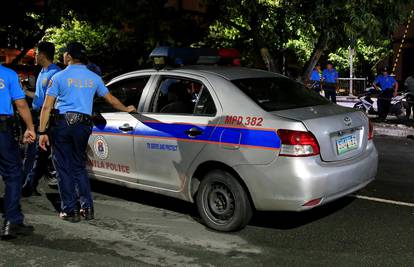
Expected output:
(69, 144)
(330, 91)
(384, 103)
(11, 171)
(36, 161)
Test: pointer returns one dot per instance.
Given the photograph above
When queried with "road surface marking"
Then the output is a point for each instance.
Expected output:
(384, 200)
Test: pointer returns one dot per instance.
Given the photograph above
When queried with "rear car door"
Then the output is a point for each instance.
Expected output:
(111, 153)
(180, 116)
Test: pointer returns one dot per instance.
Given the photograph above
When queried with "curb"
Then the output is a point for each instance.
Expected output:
(398, 130)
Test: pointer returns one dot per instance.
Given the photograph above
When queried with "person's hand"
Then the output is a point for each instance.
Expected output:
(29, 137)
(395, 93)
(131, 109)
(44, 141)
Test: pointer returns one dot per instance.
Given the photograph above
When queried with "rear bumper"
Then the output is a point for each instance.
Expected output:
(289, 183)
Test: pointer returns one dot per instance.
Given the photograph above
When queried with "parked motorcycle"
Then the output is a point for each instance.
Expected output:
(368, 105)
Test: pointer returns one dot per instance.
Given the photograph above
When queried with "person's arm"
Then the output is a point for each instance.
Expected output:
(18, 96)
(24, 112)
(115, 103)
(395, 88)
(375, 84)
(44, 120)
(28, 93)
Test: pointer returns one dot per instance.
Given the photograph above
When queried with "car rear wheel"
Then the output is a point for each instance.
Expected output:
(222, 202)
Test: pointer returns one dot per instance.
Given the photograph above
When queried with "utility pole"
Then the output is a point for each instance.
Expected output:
(351, 69)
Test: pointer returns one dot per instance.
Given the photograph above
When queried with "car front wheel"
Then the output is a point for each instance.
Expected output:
(222, 202)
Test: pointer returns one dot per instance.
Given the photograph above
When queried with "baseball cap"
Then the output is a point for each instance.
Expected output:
(75, 49)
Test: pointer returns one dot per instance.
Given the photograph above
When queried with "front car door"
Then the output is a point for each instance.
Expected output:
(179, 117)
(111, 153)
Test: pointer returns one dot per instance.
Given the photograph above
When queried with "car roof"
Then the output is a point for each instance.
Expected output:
(228, 73)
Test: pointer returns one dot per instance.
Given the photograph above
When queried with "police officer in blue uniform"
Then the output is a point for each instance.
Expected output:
(330, 82)
(36, 162)
(315, 78)
(73, 90)
(10, 162)
(389, 88)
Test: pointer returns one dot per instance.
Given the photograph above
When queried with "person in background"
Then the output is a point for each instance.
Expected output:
(389, 88)
(330, 82)
(409, 84)
(36, 160)
(94, 68)
(315, 79)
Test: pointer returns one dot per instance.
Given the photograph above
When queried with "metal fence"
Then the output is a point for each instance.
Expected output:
(351, 86)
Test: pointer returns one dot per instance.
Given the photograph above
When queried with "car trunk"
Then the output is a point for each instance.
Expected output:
(342, 133)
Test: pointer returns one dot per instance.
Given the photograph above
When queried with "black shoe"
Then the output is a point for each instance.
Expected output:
(73, 216)
(11, 230)
(87, 214)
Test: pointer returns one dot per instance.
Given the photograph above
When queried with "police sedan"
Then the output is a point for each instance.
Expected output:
(231, 140)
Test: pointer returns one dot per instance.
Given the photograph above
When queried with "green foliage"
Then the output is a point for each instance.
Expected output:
(101, 40)
(365, 60)
(297, 25)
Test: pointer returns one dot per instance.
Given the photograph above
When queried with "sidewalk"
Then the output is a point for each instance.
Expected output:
(392, 127)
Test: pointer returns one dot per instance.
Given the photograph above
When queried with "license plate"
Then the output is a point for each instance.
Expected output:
(346, 144)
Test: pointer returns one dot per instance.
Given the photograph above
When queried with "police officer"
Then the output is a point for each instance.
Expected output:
(330, 82)
(10, 162)
(73, 90)
(315, 78)
(36, 162)
(389, 88)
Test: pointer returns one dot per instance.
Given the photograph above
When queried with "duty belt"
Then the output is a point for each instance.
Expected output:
(74, 118)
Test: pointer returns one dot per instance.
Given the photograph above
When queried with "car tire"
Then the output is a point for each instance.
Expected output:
(222, 202)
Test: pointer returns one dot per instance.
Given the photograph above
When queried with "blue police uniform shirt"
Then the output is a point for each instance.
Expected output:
(330, 76)
(41, 85)
(315, 76)
(75, 88)
(385, 82)
(10, 90)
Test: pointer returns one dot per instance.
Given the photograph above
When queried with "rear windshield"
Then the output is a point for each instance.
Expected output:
(274, 93)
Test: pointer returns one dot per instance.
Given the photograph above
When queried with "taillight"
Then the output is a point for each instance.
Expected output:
(297, 143)
(370, 130)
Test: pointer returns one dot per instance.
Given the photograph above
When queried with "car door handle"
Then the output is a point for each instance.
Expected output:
(193, 132)
(126, 128)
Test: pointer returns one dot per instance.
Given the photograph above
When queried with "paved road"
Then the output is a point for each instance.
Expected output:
(135, 228)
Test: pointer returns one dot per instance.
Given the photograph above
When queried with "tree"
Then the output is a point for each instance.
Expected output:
(341, 24)
(258, 27)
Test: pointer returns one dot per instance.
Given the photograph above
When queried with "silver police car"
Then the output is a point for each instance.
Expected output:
(231, 140)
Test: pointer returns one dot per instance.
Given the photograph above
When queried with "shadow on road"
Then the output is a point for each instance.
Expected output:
(284, 220)
(275, 220)
(145, 198)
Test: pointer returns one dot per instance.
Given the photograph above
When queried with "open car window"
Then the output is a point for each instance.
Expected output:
(128, 91)
(182, 96)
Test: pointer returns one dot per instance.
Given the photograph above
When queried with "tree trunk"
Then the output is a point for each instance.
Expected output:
(316, 55)
(267, 59)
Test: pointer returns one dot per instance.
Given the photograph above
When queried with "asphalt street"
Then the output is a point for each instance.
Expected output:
(375, 227)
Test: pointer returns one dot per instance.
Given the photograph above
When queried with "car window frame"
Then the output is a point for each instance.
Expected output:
(123, 78)
(156, 87)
